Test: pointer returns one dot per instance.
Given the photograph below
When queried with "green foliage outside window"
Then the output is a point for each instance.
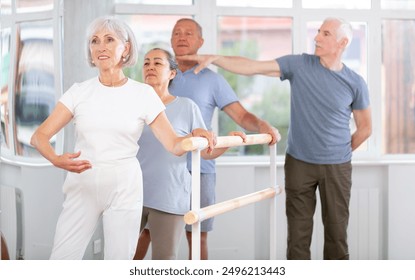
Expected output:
(270, 103)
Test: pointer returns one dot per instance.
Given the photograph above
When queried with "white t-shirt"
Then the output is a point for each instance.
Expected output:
(109, 120)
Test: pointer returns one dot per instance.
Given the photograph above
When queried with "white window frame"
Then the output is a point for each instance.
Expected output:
(11, 21)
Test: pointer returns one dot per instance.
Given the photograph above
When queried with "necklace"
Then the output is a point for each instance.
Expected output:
(115, 84)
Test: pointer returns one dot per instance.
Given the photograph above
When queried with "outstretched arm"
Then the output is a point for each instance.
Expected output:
(235, 64)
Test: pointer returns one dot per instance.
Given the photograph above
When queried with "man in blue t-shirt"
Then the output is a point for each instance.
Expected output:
(208, 90)
(324, 94)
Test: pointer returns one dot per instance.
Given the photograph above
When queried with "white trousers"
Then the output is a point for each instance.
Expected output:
(113, 192)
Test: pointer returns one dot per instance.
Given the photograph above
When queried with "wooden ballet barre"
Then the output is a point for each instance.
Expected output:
(192, 217)
(193, 143)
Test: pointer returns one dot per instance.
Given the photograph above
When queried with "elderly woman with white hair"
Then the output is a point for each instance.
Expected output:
(104, 179)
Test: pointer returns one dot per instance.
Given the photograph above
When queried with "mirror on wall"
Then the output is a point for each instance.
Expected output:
(5, 139)
(30, 75)
(34, 89)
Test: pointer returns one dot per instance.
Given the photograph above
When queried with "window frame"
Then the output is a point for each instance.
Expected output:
(11, 21)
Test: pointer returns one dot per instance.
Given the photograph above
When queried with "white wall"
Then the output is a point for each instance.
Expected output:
(401, 214)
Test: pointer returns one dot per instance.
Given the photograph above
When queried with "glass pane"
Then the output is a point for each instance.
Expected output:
(336, 4)
(263, 39)
(4, 97)
(157, 2)
(398, 4)
(5, 7)
(150, 31)
(398, 86)
(256, 3)
(34, 95)
(29, 6)
(355, 55)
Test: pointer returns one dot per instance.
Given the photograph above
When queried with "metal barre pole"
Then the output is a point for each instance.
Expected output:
(192, 217)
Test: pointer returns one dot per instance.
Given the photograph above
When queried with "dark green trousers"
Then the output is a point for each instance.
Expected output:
(334, 184)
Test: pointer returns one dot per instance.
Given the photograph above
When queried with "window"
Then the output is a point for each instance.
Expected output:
(398, 4)
(256, 3)
(29, 6)
(5, 7)
(156, 2)
(30, 76)
(259, 38)
(398, 86)
(336, 4)
(150, 31)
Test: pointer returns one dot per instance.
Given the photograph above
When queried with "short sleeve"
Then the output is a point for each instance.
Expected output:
(155, 106)
(68, 98)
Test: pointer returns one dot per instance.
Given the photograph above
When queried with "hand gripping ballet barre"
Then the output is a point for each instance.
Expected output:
(197, 215)
(193, 143)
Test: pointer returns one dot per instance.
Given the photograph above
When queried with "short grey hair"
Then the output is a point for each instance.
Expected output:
(120, 29)
(198, 26)
(345, 29)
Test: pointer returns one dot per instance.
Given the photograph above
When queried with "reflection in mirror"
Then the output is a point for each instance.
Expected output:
(34, 94)
(4, 104)
(30, 6)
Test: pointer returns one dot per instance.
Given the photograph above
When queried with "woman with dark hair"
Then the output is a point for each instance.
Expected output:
(167, 193)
